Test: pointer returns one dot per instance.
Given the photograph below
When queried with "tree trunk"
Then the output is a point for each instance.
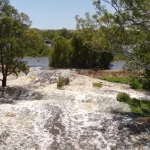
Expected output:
(4, 81)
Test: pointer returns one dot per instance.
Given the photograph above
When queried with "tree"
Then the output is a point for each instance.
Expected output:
(84, 57)
(61, 52)
(65, 33)
(49, 34)
(73, 53)
(132, 19)
(16, 41)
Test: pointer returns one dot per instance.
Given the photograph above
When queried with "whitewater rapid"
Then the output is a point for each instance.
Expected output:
(78, 117)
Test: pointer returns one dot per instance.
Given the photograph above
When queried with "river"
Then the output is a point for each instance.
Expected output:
(77, 117)
(43, 62)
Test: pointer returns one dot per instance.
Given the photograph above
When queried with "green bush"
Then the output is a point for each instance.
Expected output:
(135, 84)
(137, 106)
(62, 82)
(134, 102)
(98, 85)
(123, 97)
(136, 110)
(145, 106)
(146, 83)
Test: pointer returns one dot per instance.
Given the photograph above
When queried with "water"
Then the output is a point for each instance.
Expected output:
(51, 119)
(43, 62)
(69, 125)
(117, 65)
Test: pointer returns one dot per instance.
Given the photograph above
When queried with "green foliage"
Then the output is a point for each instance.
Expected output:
(72, 53)
(123, 97)
(134, 102)
(123, 80)
(137, 106)
(60, 53)
(44, 50)
(51, 34)
(16, 41)
(131, 29)
(62, 82)
(136, 110)
(98, 85)
(65, 33)
(125, 29)
(138, 83)
(140, 106)
(135, 84)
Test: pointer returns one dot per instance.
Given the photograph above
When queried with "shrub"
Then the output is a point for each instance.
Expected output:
(145, 106)
(146, 83)
(137, 106)
(135, 84)
(98, 85)
(134, 102)
(136, 110)
(62, 82)
(123, 97)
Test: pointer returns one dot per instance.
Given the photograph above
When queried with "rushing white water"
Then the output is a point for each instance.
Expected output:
(70, 120)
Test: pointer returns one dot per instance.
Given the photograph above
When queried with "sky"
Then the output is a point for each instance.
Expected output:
(54, 14)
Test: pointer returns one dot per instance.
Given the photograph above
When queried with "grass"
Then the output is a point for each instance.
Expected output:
(134, 83)
(123, 80)
(124, 77)
(98, 85)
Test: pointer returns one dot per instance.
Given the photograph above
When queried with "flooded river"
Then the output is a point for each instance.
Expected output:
(78, 117)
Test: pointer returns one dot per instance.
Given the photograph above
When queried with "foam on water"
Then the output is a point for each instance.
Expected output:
(49, 125)
(70, 120)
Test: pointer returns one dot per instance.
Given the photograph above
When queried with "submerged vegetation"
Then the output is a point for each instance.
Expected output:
(137, 106)
(62, 81)
(98, 85)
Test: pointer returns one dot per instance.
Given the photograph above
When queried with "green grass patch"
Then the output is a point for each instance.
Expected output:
(98, 85)
(134, 83)
(123, 80)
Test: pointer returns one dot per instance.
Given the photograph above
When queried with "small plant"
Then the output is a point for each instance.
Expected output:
(98, 85)
(62, 82)
(123, 97)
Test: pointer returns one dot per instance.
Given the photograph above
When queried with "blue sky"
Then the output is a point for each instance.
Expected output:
(54, 14)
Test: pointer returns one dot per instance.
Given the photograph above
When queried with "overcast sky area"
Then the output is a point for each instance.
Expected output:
(54, 14)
